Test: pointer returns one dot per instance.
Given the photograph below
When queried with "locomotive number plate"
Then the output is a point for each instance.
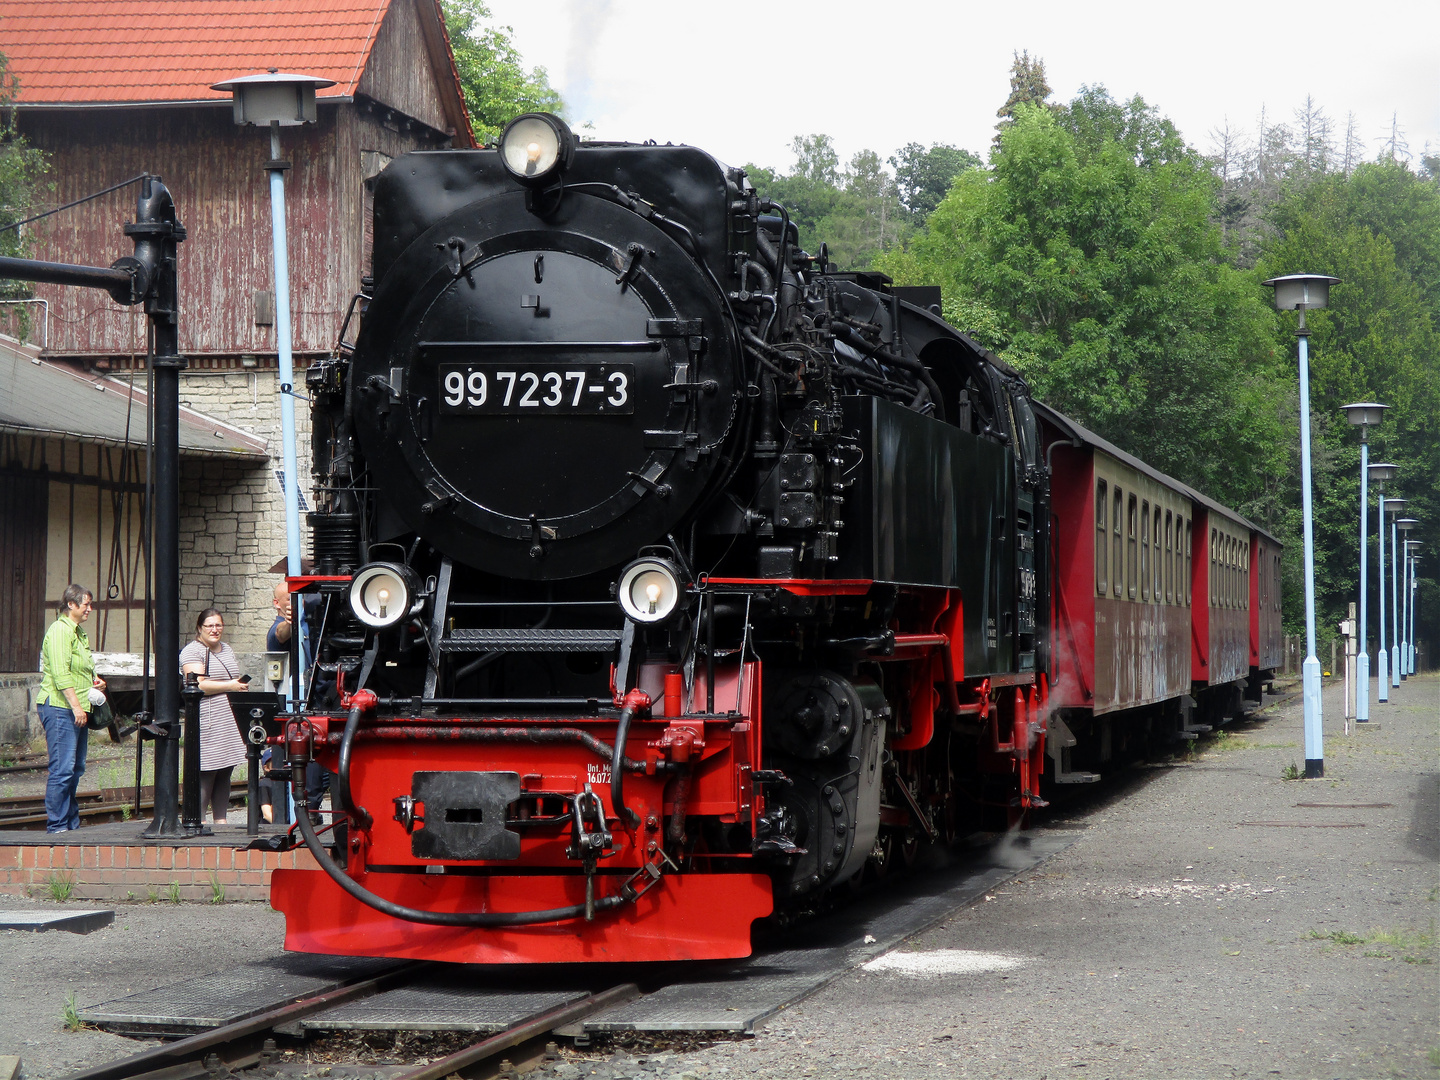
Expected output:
(537, 388)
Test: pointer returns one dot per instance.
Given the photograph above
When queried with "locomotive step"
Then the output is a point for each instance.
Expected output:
(1077, 778)
(529, 640)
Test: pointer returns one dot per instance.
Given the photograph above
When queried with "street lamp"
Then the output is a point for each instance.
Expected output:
(1414, 603)
(1299, 292)
(277, 100)
(1379, 474)
(1362, 415)
(1413, 592)
(1394, 507)
(1405, 525)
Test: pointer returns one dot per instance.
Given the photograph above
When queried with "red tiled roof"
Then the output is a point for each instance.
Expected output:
(81, 52)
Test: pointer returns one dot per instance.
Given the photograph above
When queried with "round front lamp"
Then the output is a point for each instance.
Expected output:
(1396, 507)
(650, 591)
(382, 594)
(536, 148)
(1406, 524)
(1382, 472)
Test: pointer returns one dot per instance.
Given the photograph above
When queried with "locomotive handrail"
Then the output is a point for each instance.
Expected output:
(402, 732)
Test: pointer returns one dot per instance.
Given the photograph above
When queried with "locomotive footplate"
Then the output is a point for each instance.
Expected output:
(461, 815)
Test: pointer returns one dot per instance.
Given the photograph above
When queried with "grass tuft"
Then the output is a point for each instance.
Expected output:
(70, 1015)
(172, 892)
(217, 890)
(1291, 772)
(60, 885)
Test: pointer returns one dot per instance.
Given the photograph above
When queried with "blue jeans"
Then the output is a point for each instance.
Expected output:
(67, 745)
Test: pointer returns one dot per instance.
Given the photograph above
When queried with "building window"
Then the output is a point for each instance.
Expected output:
(1102, 536)
(1145, 550)
(1132, 569)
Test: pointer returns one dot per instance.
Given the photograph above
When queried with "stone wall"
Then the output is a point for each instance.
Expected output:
(232, 513)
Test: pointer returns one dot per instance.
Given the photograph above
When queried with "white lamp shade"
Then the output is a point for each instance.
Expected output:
(274, 97)
(1367, 413)
(1382, 472)
(1310, 291)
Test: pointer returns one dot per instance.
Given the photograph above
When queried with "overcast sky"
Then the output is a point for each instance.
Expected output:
(740, 80)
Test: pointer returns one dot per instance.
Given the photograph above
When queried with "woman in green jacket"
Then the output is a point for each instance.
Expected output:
(68, 672)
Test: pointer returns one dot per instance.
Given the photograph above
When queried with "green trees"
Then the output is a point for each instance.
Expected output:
(1120, 271)
(856, 210)
(493, 76)
(1378, 230)
(1087, 245)
(22, 171)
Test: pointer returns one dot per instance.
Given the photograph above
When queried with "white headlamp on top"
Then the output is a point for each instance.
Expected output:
(650, 590)
(536, 148)
(382, 594)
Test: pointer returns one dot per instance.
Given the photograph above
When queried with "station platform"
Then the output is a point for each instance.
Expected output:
(113, 861)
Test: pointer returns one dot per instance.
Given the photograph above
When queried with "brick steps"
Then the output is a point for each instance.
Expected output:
(121, 872)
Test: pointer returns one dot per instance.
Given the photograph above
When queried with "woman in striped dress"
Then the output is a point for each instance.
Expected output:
(221, 747)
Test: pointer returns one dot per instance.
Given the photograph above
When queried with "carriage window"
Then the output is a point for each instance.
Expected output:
(1158, 563)
(1264, 583)
(1234, 572)
(1117, 577)
(1102, 535)
(1214, 567)
(1228, 584)
(1242, 568)
(1170, 556)
(1145, 550)
(1132, 570)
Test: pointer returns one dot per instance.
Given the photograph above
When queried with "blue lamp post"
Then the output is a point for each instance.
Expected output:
(277, 100)
(1405, 525)
(1414, 599)
(1363, 414)
(1394, 507)
(1302, 292)
(1378, 475)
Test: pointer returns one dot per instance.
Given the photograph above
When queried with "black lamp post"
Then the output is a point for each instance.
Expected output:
(149, 277)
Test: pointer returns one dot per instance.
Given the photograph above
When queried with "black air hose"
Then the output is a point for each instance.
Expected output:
(429, 918)
(617, 774)
(347, 742)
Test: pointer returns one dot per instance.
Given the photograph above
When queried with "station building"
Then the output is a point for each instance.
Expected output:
(113, 89)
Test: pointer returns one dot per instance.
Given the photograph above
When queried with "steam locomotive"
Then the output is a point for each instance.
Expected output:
(667, 576)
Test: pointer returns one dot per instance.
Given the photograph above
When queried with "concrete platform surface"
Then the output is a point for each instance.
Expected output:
(1191, 931)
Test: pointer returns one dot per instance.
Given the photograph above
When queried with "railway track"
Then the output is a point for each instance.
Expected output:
(258, 1042)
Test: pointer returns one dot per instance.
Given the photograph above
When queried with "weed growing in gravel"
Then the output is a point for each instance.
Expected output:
(1291, 772)
(70, 1015)
(1406, 941)
(151, 896)
(217, 891)
(125, 811)
(60, 885)
(172, 892)
(1229, 740)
